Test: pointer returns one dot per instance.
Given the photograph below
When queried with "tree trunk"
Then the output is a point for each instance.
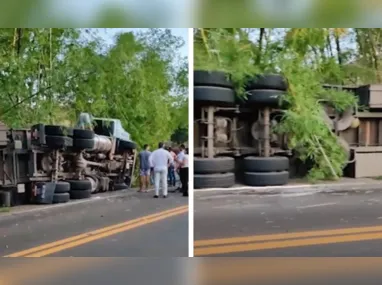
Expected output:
(363, 52)
(374, 54)
(338, 48)
(262, 34)
(329, 45)
(17, 41)
(358, 38)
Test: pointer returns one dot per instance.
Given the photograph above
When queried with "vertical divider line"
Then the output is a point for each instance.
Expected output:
(191, 142)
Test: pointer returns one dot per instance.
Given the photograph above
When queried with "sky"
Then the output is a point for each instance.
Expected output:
(109, 34)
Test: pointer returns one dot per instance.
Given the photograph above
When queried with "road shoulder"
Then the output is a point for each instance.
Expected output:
(342, 185)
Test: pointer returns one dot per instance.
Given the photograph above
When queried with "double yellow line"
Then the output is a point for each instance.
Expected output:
(60, 245)
(279, 241)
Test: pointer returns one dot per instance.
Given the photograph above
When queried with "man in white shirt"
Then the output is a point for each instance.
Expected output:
(160, 159)
(182, 160)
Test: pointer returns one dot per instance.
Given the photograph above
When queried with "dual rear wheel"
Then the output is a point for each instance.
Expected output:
(220, 172)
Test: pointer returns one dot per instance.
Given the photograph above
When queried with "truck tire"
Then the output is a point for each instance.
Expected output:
(266, 178)
(213, 95)
(57, 142)
(213, 165)
(53, 130)
(266, 164)
(94, 181)
(78, 185)
(61, 198)
(212, 78)
(269, 81)
(83, 134)
(83, 143)
(120, 186)
(82, 194)
(126, 145)
(224, 180)
(265, 97)
(62, 187)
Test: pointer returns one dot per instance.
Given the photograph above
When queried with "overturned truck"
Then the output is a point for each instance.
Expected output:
(235, 139)
(53, 164)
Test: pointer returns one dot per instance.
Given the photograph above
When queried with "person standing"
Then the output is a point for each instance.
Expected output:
(171, 168)
(182, 160)
(177, 177)
(144, 171)
(160, 160)
(152, 176)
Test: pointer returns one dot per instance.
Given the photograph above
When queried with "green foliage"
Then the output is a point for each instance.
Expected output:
(180, 136)
(52, 75)
(302, 39)
(304, 123)
(224, 50)
(305, 58)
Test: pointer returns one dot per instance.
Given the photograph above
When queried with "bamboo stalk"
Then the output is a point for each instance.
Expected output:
(204, 38)
(326, 157)
(14, 40)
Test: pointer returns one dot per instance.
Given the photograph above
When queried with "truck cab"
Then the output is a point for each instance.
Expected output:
(106, 127)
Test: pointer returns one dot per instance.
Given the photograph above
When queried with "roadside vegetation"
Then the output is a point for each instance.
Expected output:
(52, 75)
(307, 58)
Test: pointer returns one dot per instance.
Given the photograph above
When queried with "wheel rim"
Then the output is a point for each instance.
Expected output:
(94, 183)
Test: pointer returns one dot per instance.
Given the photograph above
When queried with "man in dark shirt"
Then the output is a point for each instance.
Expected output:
(144, 168)
(182, 160)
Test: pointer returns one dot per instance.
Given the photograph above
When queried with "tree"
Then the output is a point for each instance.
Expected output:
(307, 57)
(51, 74)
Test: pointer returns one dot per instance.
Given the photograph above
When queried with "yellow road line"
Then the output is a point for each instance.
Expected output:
(213, 250)
(77, 240)
(272, 237)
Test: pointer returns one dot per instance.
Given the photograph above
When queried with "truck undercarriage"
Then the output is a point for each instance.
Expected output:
(235, 140)
(97, 155)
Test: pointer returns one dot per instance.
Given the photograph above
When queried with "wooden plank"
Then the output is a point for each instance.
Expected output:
(373, 138)
(380, 133)
(368, 149)
(361, 132)
(376, 115)
(367, 133)
(368, 165)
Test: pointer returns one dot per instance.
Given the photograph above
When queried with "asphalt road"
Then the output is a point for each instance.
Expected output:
(341, 224)
(135, 225)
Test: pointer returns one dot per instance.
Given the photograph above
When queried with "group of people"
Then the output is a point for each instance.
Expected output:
(161, 165)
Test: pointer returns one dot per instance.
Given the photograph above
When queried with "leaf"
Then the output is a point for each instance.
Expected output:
(141, 79)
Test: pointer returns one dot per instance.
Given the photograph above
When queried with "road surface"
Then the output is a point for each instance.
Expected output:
(337, 224)
(135, 225)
